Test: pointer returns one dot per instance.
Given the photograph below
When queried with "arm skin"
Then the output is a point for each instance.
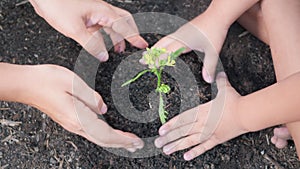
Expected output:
(283, 30)
(230, 10)
(13, 76)
(274, 105)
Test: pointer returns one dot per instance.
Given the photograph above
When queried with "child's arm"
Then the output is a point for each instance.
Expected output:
(64, 97)
(207, 32)
(230, 115)
(82, 19)
(284, 37)
(274, 105)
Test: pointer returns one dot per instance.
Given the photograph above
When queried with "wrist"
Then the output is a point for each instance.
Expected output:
(243, 119)
(218, 17)
(17, 81)
(37, 5)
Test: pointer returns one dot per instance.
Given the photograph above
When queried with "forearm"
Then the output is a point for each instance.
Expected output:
(274, 105)
(284, 37)
(228, 11)
(14, 82)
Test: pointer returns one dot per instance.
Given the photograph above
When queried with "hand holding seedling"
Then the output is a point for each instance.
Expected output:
(81, 21)
(156, 62)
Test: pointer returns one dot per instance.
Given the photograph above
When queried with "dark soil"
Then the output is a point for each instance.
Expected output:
(38, 142)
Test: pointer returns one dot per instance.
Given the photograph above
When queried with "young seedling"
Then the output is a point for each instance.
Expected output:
(157, 59)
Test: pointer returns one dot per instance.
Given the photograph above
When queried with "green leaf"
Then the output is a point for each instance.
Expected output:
(136, 77)
(162, 62)
(177, 53)
(163, 88)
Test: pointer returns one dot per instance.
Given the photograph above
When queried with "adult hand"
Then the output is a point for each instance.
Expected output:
(81, 21)
(69, 101)
(205, 33)
(204, 126)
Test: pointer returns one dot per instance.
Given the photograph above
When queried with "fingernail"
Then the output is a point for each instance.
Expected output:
(142, 61)
(102, 56)
(206, 76)
(222, 74)
(158, 143)
(131, 149)
(188, 156)
(138, 144)
(162, 132)
(167, 150)
(103, 108)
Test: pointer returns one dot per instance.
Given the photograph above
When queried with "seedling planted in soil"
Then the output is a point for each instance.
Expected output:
(157, 59)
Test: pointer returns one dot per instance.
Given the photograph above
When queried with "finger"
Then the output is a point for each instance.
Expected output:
(198, 150)
(182, 144)
(183, 119)
(131, 140)
(209, 66)
(175, 134)
(163, 43)
(121, 27)
(135, 40)
(93, 43)
(222, 81)
(282, 132)
(109, 137)
(88, 96)
(117, 40)
(281, 143)
(274, 139)
(171, 44)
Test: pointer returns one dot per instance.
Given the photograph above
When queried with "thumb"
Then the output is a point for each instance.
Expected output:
(209, 66)
(94, 44)
(128, 140)
(222, 81)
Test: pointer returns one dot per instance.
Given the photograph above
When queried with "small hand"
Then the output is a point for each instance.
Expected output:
(205, 34)
(69, 101)
(81, 21)
(204, 126)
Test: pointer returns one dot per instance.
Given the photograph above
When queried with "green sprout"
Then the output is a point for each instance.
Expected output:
(156, 61)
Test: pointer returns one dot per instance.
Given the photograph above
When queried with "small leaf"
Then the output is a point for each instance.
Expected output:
(164, 88)
(136, 77)
(177, 53)
(162, 62)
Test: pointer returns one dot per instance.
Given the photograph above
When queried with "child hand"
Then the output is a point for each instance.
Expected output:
(81, 21)
(69, 101)
(204, 126)
(204, 33)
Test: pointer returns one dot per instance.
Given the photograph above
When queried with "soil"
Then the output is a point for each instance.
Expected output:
(38, 142)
